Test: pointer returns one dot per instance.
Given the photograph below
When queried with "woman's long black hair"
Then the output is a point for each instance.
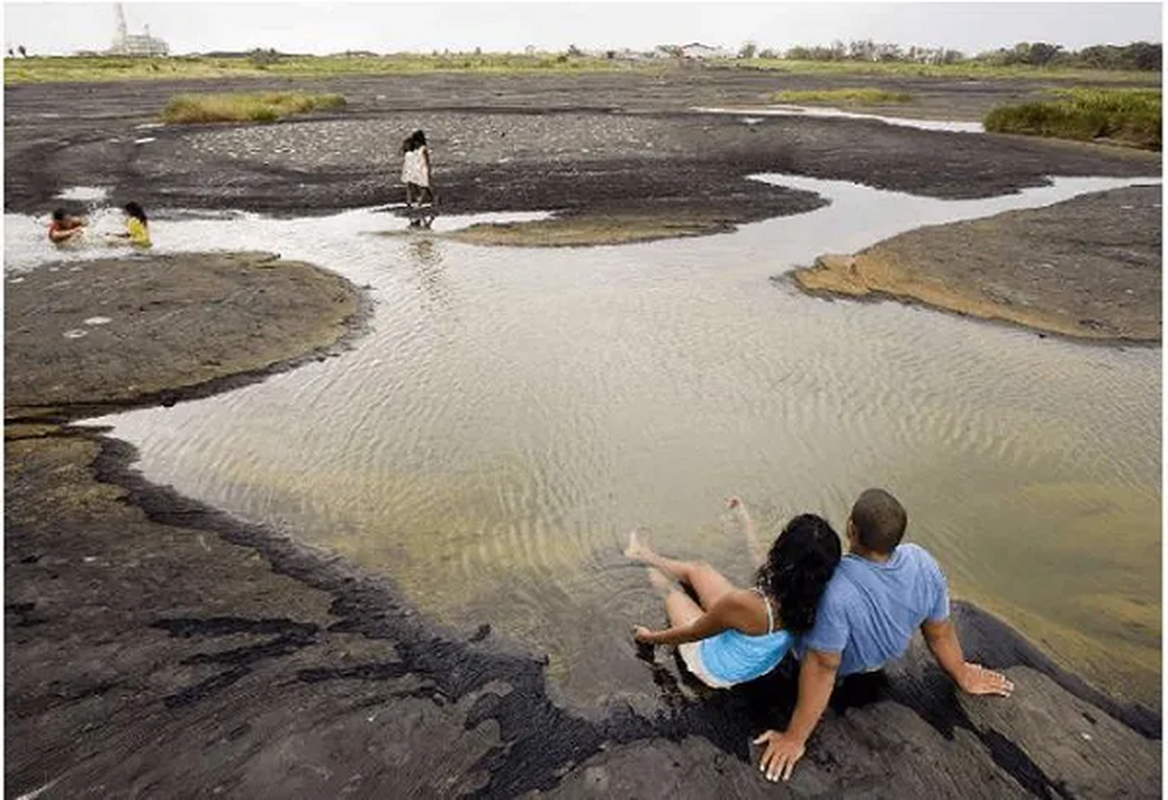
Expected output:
(797, 569)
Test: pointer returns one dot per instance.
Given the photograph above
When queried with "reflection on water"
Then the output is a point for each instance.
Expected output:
(514, 412)
(837, 113)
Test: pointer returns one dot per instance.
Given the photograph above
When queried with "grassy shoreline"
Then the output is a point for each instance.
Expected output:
(58, 69)
(847, 96)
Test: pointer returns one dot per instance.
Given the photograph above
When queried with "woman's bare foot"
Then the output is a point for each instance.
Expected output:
(639, 548)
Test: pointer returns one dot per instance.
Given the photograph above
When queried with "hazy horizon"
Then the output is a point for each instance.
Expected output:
(321, 28)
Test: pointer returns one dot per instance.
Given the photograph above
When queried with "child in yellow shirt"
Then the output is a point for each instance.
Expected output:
(137, 230)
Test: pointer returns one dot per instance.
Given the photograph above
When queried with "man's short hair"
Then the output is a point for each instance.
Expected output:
(880, 521)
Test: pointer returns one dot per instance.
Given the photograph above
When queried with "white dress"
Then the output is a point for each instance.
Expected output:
(414, 167)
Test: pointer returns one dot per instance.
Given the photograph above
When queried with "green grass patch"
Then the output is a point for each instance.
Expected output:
(1127, 116)
(245, 107)
(847, 97)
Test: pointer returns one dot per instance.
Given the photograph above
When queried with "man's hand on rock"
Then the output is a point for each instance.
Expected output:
(976, 679)
(782, 752)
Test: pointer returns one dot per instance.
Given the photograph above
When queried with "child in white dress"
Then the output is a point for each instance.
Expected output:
(416, 169)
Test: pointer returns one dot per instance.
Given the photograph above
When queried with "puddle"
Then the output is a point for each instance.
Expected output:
(445, 223)
(26, 244)
(758, 113)
(512, 413)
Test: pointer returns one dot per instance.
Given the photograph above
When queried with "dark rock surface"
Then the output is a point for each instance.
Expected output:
(154, 329)
(583, 143)
(159, 648)
(1090, 267)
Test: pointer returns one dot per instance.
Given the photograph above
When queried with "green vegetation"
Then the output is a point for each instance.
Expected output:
(1137, 56)
(854, 97)
(1126, 116)
(265, 63)
(1100, 64)
(245, 107)
(964, 70)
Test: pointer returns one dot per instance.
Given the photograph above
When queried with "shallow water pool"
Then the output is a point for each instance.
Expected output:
(513, 413)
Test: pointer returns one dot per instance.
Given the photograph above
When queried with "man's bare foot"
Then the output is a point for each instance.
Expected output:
(639, 548)
(660, 581)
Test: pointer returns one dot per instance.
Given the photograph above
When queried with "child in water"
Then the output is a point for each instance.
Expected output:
(733, 635)
(416, 168)
(137, 229)
(66, 228)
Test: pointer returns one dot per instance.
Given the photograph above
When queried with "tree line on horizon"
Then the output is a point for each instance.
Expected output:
(1146, 56)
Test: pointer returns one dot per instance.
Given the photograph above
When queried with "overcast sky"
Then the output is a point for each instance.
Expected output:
(62, 28)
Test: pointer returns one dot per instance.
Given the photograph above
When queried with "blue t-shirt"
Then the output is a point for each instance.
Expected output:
(870, 610)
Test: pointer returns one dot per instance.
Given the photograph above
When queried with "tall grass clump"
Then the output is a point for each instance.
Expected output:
(245, 107)
(854, 97)
(1127, 116)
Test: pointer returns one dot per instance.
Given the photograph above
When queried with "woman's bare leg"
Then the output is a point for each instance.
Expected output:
(707, 582)
(758, 555)
(679, 606)
(681, 609)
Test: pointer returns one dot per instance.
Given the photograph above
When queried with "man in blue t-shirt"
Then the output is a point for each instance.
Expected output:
(880, 593)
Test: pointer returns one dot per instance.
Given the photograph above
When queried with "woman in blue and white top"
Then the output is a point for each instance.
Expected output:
(734, 635)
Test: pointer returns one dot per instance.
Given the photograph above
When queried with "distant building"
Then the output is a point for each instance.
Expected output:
(694, 51)
(128, 44)
(699, 51)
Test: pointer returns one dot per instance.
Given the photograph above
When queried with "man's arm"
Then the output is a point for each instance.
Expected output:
(941, 637)
(64, 235)
(817, 674)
